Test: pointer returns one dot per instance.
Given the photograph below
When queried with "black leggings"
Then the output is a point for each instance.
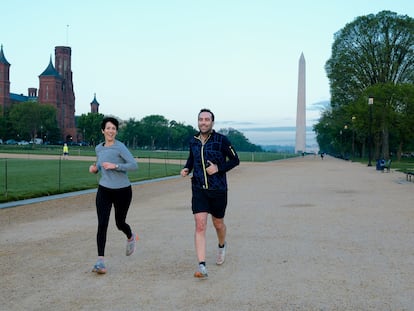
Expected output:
(121, 199)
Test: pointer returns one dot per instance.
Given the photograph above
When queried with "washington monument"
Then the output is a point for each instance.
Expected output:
(300, 145)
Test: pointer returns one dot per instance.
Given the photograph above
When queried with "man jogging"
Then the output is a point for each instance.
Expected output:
(211, 156)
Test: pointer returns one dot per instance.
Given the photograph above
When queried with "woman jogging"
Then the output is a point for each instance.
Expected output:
(113, 162)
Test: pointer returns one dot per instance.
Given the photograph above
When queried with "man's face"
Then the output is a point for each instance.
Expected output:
(205, 123)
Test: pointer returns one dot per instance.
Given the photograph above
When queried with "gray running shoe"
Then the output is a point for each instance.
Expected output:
(201, 272)
(99, 267)
(221, 254)
(131, 244)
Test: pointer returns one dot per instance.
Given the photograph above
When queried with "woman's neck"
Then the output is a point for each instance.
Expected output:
(109, 143)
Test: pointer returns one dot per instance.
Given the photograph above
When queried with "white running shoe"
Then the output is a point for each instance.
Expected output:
(131, 245)
(99, 267)
(221, 254)
(201, 272)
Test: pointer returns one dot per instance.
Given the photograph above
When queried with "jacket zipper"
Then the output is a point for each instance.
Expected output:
(202, 161)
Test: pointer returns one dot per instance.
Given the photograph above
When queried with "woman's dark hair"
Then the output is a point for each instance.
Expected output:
(209, 111)
(109, 119)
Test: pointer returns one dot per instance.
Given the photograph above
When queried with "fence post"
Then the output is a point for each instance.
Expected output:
(6, 179)
(165, 166)
(149, 166)
(60, 171)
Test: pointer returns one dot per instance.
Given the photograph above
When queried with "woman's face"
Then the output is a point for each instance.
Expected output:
(109, 132)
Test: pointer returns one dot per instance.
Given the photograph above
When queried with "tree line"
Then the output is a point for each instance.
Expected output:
(155, 132)
(371, 75)
(29, 120)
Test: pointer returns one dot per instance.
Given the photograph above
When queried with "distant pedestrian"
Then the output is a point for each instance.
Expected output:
(322, 155)
(211, 156)
(113, 162)
(65, 151)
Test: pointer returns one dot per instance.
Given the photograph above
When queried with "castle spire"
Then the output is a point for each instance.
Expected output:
(3, 59)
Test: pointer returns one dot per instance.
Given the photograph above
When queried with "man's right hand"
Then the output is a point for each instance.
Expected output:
(184, 172)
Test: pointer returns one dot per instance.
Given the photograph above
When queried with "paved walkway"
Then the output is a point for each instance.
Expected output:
(303, 234)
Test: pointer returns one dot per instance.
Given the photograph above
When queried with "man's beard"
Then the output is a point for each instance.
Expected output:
(205, 131)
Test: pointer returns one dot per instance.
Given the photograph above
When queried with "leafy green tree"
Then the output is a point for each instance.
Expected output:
(373, 56)
(239, 141)
(332, 132)
(402, 121)
(3, 124)
(179, 135)
(131, 133)
(372, 49)
(89, 127)
(155, 131)
(48, 127)
(32, 119)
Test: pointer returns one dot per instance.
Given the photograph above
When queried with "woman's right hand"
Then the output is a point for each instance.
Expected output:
(93, 169)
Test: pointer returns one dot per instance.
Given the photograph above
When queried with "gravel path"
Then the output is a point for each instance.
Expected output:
(303, 234)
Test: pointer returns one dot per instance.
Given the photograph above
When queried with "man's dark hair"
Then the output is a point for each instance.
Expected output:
(209, 111)
(109, 119)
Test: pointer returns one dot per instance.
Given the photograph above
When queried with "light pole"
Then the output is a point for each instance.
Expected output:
(353, 137)
(345, 140)
(370, 104)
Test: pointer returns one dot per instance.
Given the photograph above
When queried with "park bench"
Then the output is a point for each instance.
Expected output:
(385, 166)
(409, 175)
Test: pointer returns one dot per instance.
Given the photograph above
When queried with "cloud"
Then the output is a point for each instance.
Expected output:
(318, 106)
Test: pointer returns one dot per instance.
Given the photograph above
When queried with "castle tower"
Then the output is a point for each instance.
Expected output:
(56, 88)
(300, 145)
(63, 64)
(32, 92)
(4, 82)
(50, 87)
(94, 105)
(50, 90)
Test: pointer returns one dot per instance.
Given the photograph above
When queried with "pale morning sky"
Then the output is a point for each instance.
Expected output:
(172, 57)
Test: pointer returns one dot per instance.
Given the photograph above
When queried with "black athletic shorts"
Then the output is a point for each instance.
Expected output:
(213, 202)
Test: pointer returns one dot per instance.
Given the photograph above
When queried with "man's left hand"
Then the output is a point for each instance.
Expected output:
(212, 168)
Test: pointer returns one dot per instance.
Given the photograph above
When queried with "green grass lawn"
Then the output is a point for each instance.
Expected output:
(138, 153)
(403, 165)
(28, 178)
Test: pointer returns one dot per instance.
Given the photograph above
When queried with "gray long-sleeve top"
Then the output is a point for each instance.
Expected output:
(118, 154)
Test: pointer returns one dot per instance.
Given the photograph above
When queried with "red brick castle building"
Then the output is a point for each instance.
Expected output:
(55, 88)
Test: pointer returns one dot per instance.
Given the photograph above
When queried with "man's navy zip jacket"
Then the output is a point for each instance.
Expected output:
(217, 149)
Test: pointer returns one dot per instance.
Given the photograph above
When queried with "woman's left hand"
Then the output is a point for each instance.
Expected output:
(108, 165)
